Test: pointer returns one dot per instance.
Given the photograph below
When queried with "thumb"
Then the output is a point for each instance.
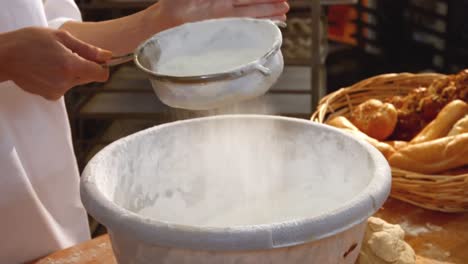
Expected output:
(83, 49)
(86, 71)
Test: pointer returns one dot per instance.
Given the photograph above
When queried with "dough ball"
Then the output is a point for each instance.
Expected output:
(383, 244)
(386, 246)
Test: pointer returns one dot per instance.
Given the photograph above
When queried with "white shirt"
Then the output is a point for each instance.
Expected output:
(40, 208)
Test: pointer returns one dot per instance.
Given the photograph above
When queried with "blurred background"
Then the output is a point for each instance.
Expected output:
(357, 39)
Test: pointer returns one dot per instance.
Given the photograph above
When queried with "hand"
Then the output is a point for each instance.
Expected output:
(49, 62)
(176, 12)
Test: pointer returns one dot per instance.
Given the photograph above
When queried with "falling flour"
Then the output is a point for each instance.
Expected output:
(245, 173)
(242, 166)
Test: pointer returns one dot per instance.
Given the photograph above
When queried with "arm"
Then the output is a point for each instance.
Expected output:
(123, 35)
(120, 35)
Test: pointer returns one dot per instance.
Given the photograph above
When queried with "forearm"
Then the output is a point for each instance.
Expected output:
(120, 35)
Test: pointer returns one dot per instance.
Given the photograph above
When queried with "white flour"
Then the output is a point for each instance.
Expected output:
(434, 228)
(416, 230)
(208, 62)
(434, 252)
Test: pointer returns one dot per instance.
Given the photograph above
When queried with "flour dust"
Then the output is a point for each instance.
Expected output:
(245, 174)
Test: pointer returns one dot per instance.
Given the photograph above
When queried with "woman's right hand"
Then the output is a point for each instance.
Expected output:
(49, 62)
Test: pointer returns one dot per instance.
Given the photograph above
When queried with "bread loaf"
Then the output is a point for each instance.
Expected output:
(443, 123)
(375, 119)
(343, 123)
(461, 126)
(433, 156)
(422, 105)
(384, 148)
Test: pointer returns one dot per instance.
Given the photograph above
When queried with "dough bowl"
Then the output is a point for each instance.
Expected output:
(236, 189)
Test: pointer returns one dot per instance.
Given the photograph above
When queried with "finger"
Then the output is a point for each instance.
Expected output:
(253, 2)
(84, 71)
(83, 49)
(262, 10)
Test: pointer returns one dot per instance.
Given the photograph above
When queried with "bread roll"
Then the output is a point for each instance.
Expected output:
(460, 127)
(444, 121)
(343, 123)
(375, 119)
(433, 156)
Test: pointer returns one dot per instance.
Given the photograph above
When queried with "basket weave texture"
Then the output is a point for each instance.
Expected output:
(446, 193)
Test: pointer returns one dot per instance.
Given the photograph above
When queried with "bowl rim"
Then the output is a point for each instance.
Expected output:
(249, 237)
(223, 75)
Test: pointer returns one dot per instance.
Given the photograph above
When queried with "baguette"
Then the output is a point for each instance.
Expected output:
(397, 144)
(341, 122)
(433, 156)
(346, 125)
(384, 148)
(441, 126)
(460, 127)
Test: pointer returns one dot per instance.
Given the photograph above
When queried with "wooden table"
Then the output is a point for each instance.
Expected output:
(436, 238)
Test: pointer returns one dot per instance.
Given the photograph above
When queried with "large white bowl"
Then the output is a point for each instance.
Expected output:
(163, 193)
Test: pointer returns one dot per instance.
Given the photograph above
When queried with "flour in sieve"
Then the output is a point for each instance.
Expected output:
(207, 62)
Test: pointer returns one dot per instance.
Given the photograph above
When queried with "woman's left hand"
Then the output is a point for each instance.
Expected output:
(124, 34)
(176, 12)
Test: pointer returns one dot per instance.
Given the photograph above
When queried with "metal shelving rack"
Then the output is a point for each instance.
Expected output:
(416, 35)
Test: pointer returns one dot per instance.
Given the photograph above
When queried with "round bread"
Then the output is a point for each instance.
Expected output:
(375, 118)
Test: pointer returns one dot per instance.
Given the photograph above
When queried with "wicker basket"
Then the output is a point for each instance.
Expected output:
(446, 193)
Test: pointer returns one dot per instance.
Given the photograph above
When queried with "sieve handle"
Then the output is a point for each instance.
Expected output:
(264, 70)
(114, 61)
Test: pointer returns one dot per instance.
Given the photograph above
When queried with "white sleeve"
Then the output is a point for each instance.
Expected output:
(60, 11)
